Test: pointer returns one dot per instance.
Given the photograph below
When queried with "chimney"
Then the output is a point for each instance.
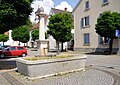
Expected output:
(65, 9)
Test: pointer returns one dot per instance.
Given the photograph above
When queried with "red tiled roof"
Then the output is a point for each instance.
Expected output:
(6, 33)
(35, 26)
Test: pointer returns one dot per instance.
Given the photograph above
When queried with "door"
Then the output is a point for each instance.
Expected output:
(13, 51)
(7, 52)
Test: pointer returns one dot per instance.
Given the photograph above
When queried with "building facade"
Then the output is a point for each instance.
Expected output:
(85, 14)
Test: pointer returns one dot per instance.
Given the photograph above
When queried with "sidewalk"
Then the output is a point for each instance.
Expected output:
(3, 81)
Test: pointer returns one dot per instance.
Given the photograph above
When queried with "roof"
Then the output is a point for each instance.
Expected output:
(56, 11)
(35, 26)
(6, 33)
(76, 6)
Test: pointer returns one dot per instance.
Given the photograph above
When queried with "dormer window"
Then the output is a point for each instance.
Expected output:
(105, 1)
(87, 5)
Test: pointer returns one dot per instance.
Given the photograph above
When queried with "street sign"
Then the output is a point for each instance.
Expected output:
(117, 34)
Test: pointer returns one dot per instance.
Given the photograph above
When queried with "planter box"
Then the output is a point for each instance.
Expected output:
(50, 67)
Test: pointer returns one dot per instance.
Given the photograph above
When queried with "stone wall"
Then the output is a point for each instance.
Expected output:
(43, 68)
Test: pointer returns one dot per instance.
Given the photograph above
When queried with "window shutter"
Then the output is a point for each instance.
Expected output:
(82, 22)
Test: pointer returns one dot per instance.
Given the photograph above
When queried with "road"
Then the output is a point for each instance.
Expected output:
(10, 63)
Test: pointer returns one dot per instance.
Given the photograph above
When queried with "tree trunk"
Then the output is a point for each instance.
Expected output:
(110, 45)
(3, 43)
(19, 43)
(61, 46)
(57, 42)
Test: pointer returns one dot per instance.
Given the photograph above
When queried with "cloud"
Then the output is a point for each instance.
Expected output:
(64, 5)
(46, 4)
(34, 5)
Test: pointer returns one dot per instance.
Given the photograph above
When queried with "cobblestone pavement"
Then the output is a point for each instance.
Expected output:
(106, 63)
(116, 77)
(3, 81)
(88, 77)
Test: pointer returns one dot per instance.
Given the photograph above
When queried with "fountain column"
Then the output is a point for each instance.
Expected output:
(42, 44)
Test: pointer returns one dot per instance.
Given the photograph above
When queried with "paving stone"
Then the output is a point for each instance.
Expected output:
(10, 79)
(3, 81)
(88, 77)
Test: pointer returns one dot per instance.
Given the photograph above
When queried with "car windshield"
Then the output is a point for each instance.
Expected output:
(4, 47)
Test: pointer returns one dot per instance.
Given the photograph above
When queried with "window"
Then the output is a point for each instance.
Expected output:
(106, 40)
(85, 21)
(105, 1)
(86, 39)
(87, 5)
(100, 14)
(100, 40)
(82, 22)
(13, 48)
(20, 48)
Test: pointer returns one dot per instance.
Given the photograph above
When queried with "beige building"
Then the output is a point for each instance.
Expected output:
(85, 14)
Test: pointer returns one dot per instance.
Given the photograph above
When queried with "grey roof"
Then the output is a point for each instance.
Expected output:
(56, 11)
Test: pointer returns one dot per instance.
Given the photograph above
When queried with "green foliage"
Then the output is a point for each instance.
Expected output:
(107, 24)
(14, 13)
(46, 35)
(60, 26)
(35, 34)
(21, 34)
(3, 38)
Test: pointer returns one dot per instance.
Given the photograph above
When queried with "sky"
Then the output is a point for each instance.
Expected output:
(70, 2)
(48, 4)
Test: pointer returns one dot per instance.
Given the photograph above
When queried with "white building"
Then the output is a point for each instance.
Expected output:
(85, 14)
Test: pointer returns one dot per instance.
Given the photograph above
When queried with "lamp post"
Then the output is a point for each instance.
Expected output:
(42, 44)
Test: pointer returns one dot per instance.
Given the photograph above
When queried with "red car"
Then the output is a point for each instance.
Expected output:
(13, 51)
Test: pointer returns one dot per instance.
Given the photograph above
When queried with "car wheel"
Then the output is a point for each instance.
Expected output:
(23, 54)
(2, 56)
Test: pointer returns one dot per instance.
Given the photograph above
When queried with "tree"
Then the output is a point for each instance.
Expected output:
(14, 13)
(35, 34)
(3, 38)
(60, 26)
(21, 34)
(106, 26)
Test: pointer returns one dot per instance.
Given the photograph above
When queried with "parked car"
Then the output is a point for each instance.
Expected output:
(13, 51)
(3, 47)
